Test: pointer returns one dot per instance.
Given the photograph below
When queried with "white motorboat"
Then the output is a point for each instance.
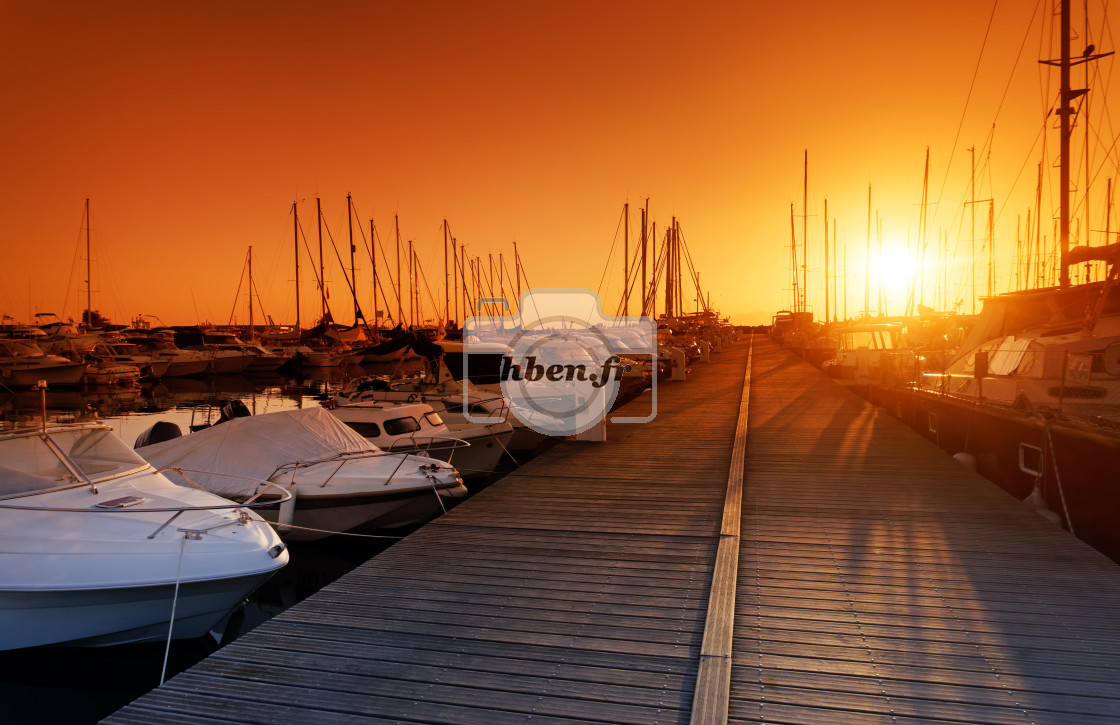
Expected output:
(23, 364)
(151, 366)
(447, 398)
(98, 548)
(108, 368)
(338, 479)
(473, 448)
(223, 360)
(180, 363)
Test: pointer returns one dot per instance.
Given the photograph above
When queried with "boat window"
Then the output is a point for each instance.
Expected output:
(98, 453)
(30, 465)
(369, 430)
(400, 426)
(14, 482)
(433, 418)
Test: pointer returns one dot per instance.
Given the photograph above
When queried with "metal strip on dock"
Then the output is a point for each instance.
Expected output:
(713, 680)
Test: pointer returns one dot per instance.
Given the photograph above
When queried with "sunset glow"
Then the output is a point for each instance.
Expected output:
(193, 129)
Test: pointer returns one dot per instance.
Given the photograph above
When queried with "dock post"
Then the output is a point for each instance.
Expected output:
(676, 355)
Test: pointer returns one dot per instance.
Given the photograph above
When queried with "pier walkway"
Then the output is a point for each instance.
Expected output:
(871, 578)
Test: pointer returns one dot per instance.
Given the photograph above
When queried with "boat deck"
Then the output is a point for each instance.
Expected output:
(871, 579)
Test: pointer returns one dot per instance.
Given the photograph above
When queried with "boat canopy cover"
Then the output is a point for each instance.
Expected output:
(255, 447)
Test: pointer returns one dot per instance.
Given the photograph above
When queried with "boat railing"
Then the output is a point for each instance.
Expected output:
(1061, 381)
(342, 458)
(427, 444)
(135, 504)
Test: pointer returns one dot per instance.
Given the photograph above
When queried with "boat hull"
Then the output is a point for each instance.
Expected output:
(317, 517)
(17, 374)
(119, 615)
(184, 368)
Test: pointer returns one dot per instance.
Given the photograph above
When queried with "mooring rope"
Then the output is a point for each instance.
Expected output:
(174, 604)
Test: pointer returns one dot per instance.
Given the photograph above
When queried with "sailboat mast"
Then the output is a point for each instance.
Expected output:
(322, 270)
(626, 260)
(517, 268)
(411, 286)
(805, 236)
(826, 260)
(867, 261)
(446, 279)
(89, 275)
(295, 235)
(793, 242)
(400, 282)
(645, 251)
(464, 265)
(353, 274)
(251, 331)
(373, 265)
(1064, 112)
(678, 286)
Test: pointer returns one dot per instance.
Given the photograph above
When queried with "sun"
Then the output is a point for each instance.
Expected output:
(894, 268)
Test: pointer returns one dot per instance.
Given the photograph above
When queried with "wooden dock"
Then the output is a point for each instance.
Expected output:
(871, 579)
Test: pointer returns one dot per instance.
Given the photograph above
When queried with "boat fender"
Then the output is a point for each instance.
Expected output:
(966, 458)
(287, 513)
(1038, 503)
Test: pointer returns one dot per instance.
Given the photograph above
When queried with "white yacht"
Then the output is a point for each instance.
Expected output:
(23, 364)
(98, 548)
(338, 480)
(473, 448)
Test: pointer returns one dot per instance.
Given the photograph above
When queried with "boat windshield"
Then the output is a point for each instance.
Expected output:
(31, 466)
(871, 339)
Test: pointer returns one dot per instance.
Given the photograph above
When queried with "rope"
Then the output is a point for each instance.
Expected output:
(507, 451)
(435, 490)
(1058, 477)
(174, 603)
(334, 533)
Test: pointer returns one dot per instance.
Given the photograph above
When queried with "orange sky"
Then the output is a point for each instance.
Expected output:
(192, 127)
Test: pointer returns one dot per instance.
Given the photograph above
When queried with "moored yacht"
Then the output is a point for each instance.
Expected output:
(98, 548)
(23, 364)
(473, 448)
(338, 480)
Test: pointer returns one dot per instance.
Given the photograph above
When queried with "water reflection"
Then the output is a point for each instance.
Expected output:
(185, 401)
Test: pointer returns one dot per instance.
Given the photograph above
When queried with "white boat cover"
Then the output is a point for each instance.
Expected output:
(255, 447)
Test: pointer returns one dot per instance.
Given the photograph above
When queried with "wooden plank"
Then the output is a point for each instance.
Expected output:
(880, 581)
